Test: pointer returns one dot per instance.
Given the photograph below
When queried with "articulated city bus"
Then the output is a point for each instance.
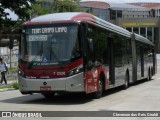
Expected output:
(78, 52)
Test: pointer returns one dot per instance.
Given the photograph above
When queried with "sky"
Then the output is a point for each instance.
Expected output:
(12, 15)
(130, 1)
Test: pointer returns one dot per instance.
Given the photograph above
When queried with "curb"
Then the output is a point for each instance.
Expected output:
(7, 89)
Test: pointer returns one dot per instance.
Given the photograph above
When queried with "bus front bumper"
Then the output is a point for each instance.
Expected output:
(69, 84)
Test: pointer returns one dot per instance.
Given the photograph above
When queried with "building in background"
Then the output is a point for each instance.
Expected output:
(141, 18)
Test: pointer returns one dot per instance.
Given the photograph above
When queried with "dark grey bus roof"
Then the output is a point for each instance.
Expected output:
(142, 39)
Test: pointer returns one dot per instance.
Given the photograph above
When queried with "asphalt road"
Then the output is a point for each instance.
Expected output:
(143, 96)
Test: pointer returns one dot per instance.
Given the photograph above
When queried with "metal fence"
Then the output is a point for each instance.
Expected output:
(13, 75)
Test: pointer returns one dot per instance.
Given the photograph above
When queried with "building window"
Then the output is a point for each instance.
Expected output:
(149, 33)
(143, 32)
(136, 30)
(129, 29)
(158, 14)
(113, 15)
(119, 14)
(101, 13)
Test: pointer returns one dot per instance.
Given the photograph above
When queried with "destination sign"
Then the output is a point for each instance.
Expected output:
(38, 38)
(49, 30)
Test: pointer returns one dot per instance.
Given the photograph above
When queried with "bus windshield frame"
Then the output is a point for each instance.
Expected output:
(50, 44)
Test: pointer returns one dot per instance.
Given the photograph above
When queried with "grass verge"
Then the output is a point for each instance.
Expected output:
(14, 85)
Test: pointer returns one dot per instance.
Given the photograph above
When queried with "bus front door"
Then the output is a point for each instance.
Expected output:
(111, 60)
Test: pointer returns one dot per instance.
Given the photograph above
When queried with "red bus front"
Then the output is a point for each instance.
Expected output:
(50, 59)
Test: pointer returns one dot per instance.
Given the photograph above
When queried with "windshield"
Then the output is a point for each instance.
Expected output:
(50, 44)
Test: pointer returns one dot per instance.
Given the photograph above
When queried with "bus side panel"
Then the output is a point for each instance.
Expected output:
(144, 60)
(89, 82)
(92, 78)
(134, 61)
(96, 56)
(122, 59)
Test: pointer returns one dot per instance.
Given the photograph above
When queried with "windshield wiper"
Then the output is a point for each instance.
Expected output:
(30, 65)
(55, 56)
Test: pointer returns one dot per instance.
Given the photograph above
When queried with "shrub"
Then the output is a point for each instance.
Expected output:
(15, 85)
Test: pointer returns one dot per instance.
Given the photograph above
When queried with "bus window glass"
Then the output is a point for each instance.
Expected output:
(52, 43)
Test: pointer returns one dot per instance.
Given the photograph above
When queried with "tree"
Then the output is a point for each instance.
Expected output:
(40, 8)
(66, 6)
(19, 7)
(25, 9)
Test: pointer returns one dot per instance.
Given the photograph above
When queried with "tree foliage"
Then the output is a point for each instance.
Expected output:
(40, 8)
(66, 6)
(27, 9)
(53, 6)
(19, 7)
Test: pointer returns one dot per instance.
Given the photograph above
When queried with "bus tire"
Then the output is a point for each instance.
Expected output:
(152, 71)
(48, 95)
(126, 84)
(98, 93)
(149, 74)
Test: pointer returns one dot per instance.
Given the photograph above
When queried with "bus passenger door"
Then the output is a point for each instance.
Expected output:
(154, 61)
(134, 57)
(111, 60)
(88, 55)
(142, 60)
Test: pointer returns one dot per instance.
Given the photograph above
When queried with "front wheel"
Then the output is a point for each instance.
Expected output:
(48, 95)
(99, 92)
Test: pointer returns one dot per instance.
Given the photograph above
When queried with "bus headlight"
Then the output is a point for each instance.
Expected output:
(76, 70)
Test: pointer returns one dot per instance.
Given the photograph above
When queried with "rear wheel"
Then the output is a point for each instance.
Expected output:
(126, 84)
(152, 72)
(149, 74)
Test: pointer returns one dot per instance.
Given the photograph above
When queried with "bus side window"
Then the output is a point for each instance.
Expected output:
(89, 48)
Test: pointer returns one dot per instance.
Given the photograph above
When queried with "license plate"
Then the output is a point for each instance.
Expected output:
(45, 88)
